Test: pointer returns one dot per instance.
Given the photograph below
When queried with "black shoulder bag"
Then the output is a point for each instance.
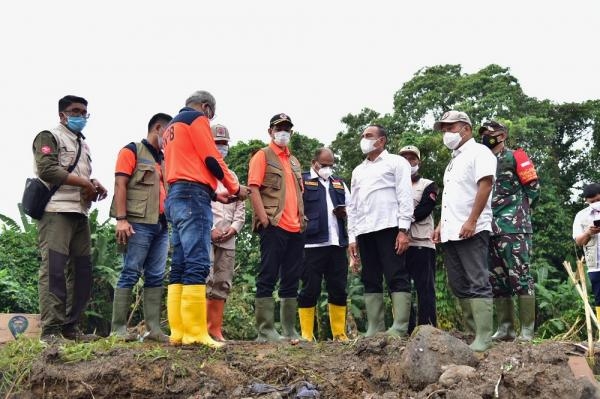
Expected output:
(36, 195)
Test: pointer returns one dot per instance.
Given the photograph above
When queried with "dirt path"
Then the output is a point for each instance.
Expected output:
(366, 368)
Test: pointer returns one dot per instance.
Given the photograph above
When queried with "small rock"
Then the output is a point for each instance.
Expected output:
(455, 374)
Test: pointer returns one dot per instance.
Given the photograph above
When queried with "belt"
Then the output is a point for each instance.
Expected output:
(203, 186)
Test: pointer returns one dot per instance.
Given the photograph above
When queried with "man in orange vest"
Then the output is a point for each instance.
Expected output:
(275, 180)
(194, 165)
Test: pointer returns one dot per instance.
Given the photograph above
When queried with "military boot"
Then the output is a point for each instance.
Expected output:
(506, 319)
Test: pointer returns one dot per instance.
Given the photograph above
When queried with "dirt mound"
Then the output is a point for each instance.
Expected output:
(364, 368)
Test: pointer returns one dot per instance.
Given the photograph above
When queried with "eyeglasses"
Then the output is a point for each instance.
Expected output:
(324, 165)
(77, 112)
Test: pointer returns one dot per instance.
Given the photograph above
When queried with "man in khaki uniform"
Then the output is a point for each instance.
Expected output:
(63, 231)
(228, 220)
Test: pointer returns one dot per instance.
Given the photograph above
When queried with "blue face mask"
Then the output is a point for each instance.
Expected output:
(76, 123)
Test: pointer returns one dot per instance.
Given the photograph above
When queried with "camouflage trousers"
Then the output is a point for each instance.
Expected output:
(509, 265)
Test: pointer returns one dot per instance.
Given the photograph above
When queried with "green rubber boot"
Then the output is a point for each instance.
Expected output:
(375, 315)
(288, 307)
(152, 308)
(506, 319)
(401, 311)
(469, 323)
(526, 317)
(264, 311)
(483, 314)
(121, 305)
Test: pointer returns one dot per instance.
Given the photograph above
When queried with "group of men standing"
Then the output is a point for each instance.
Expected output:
(307, 223)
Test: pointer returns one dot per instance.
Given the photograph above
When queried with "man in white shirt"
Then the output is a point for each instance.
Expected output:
(379, 216)
(466, 223)
(325, 198)
(586, 227)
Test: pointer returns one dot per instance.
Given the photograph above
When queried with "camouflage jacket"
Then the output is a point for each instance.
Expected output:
(511, 201)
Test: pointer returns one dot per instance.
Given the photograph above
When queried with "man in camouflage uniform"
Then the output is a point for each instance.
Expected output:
(515, 189)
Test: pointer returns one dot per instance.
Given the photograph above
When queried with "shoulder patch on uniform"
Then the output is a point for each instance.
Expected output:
(337, 184)
(46, 149)
(310, 183)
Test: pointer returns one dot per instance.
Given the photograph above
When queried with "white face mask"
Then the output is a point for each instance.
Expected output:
(414, 169)
(367, 145)
(223, 149)
(282, 137)
(595, 206)
(451, 139)
(325, 172)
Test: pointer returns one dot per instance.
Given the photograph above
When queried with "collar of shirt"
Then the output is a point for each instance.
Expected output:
(381, 156)
(314, 175)
(278, 150)
(69, 131)
(463, 148)
(158, 155)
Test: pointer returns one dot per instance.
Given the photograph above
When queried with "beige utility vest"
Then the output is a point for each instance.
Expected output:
(68, 198)
(272, 190)
(143, 189)
(420, 232)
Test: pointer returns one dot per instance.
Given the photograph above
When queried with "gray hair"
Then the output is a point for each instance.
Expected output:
(201, 97)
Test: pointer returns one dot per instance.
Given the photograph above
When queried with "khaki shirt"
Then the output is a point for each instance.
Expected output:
(228, 215)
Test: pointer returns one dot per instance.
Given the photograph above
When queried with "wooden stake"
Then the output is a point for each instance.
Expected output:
(586, 303)
(588, 322)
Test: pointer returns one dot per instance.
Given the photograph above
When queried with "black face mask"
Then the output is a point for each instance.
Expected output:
(490, 141)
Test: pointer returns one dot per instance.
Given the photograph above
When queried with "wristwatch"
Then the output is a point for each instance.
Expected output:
(121, 217)
(403, 230)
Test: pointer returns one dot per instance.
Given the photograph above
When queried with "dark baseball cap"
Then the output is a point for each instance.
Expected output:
(492, 126)
(280, 118)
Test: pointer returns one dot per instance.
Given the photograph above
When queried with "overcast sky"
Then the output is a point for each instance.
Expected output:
(315, 60)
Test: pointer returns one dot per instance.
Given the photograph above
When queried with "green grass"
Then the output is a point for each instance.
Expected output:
(16, 359)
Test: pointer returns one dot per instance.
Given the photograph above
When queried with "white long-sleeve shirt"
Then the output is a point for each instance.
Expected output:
(380, 195)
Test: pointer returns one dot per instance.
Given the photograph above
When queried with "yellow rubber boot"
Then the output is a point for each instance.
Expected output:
(307, 322)
(193, 316)
(174, 313)
(337, 320)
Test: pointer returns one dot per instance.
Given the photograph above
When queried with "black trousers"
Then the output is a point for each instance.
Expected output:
(379, 260)
(467, 266)
(330, 263)
(420, 262)
(281, 257)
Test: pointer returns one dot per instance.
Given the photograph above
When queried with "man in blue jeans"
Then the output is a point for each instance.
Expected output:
(138, 207)
(193, 167)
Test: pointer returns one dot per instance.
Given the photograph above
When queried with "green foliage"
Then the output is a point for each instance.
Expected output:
(19, 265)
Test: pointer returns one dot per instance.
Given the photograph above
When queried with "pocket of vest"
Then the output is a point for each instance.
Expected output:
(145, 174)
(136, 203)
(272, 180)
(66, 158)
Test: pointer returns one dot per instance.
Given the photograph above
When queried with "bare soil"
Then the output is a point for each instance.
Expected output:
(365, 368)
